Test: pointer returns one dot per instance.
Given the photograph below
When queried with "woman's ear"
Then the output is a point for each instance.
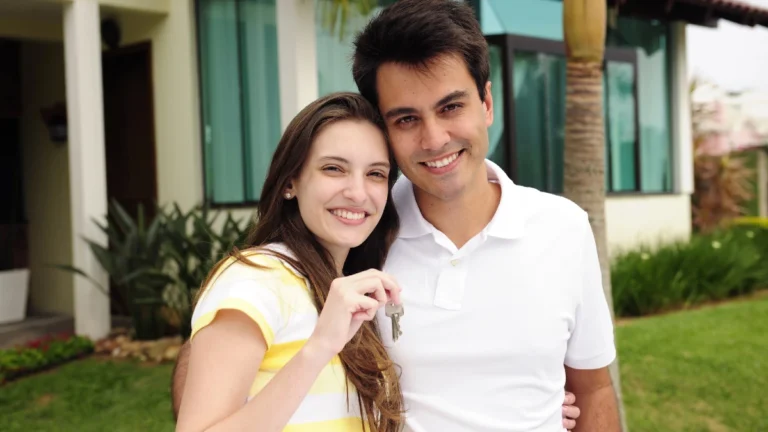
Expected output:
(289, 192)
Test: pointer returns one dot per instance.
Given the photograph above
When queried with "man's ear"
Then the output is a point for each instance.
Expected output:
(488, 105)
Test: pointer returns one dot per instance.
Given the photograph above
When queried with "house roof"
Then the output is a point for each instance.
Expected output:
(701, 12)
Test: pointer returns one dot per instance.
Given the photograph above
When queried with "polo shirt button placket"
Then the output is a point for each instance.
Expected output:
(450, 285)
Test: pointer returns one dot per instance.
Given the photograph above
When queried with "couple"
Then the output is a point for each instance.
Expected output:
(501, 286)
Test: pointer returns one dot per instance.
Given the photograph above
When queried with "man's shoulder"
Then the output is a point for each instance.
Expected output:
(545, 206)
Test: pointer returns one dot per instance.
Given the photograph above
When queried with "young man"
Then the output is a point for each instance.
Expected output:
(501, 284)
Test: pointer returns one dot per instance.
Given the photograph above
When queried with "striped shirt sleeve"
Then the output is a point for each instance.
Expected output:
(255, 292)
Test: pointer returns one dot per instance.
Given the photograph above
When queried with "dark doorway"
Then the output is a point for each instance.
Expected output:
(13, 218)
(129, 128)
(129, 135)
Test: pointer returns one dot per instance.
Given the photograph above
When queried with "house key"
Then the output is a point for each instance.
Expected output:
(394, 311)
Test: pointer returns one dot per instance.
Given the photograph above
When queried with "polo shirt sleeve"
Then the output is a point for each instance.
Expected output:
(591, 345)
(257, 295)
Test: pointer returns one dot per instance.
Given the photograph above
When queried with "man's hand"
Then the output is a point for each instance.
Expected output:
(179, 378)
(570, 411)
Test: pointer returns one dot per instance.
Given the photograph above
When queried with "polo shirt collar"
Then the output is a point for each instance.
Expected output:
(507, 223)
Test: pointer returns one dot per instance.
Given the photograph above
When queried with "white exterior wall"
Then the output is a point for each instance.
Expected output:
(652, 219)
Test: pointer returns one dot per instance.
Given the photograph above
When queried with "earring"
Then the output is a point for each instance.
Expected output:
(287, 195)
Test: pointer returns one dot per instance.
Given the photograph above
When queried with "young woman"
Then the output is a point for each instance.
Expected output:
(283, 336)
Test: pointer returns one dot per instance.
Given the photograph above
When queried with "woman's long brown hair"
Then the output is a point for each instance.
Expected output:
(366, 362)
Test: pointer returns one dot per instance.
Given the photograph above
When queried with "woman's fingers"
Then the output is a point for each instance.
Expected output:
(387, 282)
(392, 288)
(366, 308)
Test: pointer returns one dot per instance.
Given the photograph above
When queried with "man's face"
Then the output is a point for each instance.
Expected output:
(437, 124)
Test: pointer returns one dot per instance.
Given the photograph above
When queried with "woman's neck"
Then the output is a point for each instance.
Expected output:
(339, 255)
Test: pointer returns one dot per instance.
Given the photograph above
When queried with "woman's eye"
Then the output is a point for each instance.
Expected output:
(379, 174)
(332, 168)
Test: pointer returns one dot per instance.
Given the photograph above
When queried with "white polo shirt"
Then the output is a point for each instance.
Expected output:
(488, 327)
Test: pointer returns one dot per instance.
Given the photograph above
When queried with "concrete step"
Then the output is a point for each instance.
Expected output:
(34, 327)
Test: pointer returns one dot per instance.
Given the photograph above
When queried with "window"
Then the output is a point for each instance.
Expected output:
(528, 140)
(534, 18)
(621, 136)
(649, 39)
(539, 94)
(239, 96)
(334, 51)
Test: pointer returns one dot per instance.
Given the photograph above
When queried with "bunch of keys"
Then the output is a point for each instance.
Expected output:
(394, 311)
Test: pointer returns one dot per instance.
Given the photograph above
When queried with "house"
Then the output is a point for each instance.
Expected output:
(183, 101)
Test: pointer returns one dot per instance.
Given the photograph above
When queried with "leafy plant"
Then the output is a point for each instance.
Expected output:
(41, 354)
(193, 245)
(724, 263)
(135, 263)
(724, 184)
(158, 268)
(723, 187)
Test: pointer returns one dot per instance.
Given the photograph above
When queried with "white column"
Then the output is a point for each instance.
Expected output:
(87, 166)
(682, 133)
(297, 56)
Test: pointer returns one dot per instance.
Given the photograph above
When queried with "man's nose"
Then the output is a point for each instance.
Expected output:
(434, 136)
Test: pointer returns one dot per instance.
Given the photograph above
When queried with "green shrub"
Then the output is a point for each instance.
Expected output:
(157, 266)
(41, 354)
(716, 266)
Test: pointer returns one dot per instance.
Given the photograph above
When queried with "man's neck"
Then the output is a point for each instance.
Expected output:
(464, 217)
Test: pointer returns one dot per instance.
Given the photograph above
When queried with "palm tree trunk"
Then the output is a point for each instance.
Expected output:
(584, 25)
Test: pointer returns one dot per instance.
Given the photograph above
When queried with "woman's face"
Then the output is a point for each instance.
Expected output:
(342, 188)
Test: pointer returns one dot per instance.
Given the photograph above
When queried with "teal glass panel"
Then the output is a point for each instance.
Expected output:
(334, 51)
(261, 90)
(620, 125)
(240, 96)
(222, 116)
(650, 39)
(539, 91)
(534, 18)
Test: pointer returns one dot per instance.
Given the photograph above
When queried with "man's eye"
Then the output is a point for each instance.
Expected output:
(452, 107)
(406, 119)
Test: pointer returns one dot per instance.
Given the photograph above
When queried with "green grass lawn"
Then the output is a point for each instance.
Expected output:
(703, 370)
(90, 395)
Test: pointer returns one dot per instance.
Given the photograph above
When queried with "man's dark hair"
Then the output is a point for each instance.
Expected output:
(414, 32)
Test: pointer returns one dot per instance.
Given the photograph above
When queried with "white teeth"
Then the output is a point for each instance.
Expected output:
(442, 162)
(348, 215)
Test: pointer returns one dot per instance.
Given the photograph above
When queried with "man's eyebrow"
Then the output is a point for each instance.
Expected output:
(395, 112)
(453, 96)
(458, 94)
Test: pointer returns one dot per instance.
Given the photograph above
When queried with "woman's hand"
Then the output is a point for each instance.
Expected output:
(351, 301)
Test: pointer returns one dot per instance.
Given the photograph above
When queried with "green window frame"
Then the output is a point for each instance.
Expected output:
(637, 84)
(528, 142)
(240, 97)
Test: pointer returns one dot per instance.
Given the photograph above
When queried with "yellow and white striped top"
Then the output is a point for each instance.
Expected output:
(279, 301)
